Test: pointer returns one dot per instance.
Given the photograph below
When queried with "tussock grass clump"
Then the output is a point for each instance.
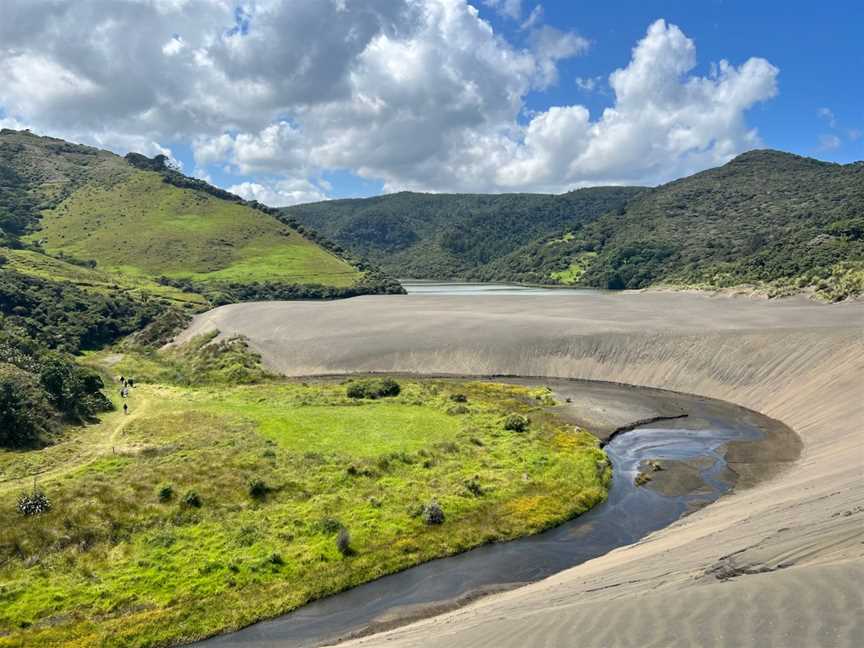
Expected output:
(473, 486)
(166, 493)
(192, 500)
(258, 489)
(516, 423)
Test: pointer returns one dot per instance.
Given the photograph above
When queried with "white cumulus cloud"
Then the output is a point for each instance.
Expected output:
(416, 94)
(281, 193)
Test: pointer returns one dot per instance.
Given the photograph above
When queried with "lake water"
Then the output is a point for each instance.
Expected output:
(428, 287)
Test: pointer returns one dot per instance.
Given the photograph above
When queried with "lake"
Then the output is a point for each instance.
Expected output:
(432, 287)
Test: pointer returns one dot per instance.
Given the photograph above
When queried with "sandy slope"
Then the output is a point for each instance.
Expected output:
(779, 564)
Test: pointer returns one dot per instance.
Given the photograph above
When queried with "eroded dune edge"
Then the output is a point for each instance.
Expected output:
(780, 563)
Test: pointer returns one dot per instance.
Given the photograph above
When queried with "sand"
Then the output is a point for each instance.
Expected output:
(780, 562)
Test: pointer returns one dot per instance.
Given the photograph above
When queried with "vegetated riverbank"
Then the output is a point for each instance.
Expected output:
(779, 562)
(213, 505)
(687, 454)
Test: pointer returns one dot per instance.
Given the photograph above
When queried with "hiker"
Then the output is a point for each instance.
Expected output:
(131, 382)
(125, 408)
(122, 379)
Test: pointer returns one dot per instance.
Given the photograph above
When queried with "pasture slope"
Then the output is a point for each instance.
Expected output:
(778, 563)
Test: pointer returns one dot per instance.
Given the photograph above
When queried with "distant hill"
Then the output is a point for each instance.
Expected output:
(776, 220)
(449, 235)
(140, 226)
(780, 222)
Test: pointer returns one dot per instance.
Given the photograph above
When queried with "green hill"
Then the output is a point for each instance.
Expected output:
(774, 220)
(448, 235)
(146, 227)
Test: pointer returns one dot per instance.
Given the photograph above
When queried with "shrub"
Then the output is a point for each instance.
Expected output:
(373, 388)
(458, 410)
(192, 500)
(473, 486)
(166, 493)
(433, 513)
(258, 489)
(516, 423)
(415, 510)
(34, 503)
(276, 559)
(330, 525)
(26, 416)
(343, 542)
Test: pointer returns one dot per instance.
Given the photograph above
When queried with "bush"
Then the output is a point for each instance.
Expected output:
(192, 500)
(343, 542)
(166, 493)
(516, 423)
(473, 486)
(26, 416)
(258, 489)
(330, 525)
(433, 513)
(458, 410)
(34, 503)
(373, 388)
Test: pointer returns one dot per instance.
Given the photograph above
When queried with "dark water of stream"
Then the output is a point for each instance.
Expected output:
(629, 514)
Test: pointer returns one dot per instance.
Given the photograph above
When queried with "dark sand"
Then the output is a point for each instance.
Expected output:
(779, 563)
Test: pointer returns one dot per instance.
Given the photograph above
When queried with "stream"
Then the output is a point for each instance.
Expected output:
(630, 513)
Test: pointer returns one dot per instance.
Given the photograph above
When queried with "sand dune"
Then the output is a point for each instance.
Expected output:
(778, 564)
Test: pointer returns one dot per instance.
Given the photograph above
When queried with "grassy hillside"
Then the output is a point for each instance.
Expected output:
(141, 224)
(447, 235)
(212, 506)
(775, 220)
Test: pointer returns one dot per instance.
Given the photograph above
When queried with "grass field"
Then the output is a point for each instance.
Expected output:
(113, 564)
(143, 228)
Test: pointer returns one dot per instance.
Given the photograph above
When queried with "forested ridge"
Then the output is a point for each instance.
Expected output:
(779, 222)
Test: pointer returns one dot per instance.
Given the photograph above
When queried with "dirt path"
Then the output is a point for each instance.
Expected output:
(103, 439)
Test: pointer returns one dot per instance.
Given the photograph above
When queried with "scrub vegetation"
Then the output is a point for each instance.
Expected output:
(770, 220)
(214, 504)
(443, 236)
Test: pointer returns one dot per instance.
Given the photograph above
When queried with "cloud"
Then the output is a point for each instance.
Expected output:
(534, 18)
(281, 193)
(829, 142)
(588, 84)
(828, 115)
(509, 8)
(416, 94)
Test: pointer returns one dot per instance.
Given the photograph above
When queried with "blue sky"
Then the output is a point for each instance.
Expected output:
(818, 47)
(293, 101)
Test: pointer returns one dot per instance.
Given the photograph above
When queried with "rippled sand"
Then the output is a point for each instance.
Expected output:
(777, 564)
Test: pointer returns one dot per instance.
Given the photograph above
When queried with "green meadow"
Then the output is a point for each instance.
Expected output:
(210, 506)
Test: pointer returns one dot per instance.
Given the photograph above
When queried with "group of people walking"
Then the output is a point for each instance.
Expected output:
(125, 385)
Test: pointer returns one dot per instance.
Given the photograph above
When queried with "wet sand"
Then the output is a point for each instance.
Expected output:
(777, 563)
